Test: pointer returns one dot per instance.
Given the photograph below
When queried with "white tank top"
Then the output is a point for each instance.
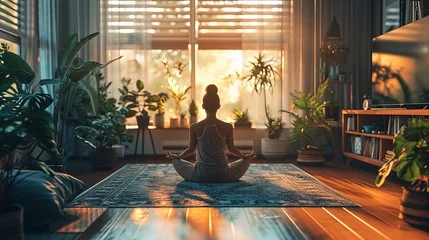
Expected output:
(211, 150)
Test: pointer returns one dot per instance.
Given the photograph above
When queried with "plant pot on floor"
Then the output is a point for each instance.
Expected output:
(119, 150)
(242, 124)
(193, 119)
(159, 120)
(414, 208)
(143, 121)
(174, 123)
(104, 158)
(310, 156)
(11, 222)
(273, 149)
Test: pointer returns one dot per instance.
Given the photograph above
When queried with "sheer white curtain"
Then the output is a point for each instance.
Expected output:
(128, 35)
(285, 32)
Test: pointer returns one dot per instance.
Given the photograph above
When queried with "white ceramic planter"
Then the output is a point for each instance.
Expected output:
(273, 149)
(159, 120)
(194, 119)
(120, 150)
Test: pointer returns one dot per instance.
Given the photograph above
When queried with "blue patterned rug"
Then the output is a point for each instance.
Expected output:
(158, 185)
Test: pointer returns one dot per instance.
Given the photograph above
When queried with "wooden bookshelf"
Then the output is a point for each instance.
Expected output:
(384, 120)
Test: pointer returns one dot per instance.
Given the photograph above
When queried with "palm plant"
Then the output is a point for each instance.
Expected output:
(241, 116)
(262, 76)
(304, 127)
(411, 156)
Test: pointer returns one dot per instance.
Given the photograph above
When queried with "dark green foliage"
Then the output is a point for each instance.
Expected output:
(304, 127)
(193, 108)
(411, 156)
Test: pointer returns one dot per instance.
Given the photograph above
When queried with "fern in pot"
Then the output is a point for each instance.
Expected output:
(411, 161)
(306, 125)
(105, 131)
(262, 77)
(241, 118)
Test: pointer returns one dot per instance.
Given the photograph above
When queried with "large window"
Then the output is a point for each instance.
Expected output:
(215, 38)
(10, 24)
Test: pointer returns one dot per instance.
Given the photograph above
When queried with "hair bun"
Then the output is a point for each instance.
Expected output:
(211, 89)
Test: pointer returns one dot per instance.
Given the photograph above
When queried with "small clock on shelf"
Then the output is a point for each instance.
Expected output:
(366, 103)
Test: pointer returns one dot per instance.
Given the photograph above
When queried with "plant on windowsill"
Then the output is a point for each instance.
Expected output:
(105, 131)
(183, 120)
(262, 77)
(139, 103)
(304, 127)
(411, 161)
(160, 110)
(25, 125)
(193, 111)
(241, 118)
(178, 96)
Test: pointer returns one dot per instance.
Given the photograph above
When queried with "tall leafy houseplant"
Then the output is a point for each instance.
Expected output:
(304, 126)
(139, 103)
(411, 161)
(241, 118)
(24, 125)
(262, 76)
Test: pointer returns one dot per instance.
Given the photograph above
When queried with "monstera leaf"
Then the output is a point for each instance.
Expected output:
(35, 102)
(16, 67)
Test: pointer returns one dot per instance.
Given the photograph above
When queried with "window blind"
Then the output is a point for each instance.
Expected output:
(165, 22)
(9, 13)
(225, 24)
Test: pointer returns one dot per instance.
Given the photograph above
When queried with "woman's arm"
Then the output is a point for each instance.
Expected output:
(191, 147)
(231, 147)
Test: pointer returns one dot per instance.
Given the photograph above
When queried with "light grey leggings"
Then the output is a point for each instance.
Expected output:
(188, 172)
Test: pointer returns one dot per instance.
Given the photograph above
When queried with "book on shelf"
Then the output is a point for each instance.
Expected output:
(351, 123)
(375, 146)
(366, 147)
(388, 155)
(395, 123)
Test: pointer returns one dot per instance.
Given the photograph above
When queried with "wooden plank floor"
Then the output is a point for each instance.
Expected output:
(377, 219)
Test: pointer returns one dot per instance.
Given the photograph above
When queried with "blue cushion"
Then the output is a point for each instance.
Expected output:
(43, 196)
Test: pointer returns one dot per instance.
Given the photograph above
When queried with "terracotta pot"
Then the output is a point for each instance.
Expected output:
(310, 156)
(11, 222)
(194, 119)
(414, 208)
(273, 149)
(184, 123)
(159, 120)
(242, 124)
(104, 158)
(143, 121)
(174, 123)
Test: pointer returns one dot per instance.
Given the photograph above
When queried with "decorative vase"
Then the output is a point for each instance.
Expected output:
(104, 158)
(194, 119)
(332, 74)
(11, 222)
(273, 149)
(184, 123)
(311, 156)
(159, 120)
(414, 207)
(119, 150)
(174, 123)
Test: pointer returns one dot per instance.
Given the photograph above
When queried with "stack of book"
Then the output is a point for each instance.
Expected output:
(388, 156)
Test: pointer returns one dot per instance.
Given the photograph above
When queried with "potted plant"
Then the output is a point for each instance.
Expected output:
(193, 111)
(304, 126)
(183, 120)
(241, 118)
(105, 131)
(178, 96)
(411, 160)
(262, 76)
(24, 125)
(142, 101)
(160, 110)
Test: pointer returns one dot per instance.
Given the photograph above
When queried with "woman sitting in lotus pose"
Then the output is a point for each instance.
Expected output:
(211, 137)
